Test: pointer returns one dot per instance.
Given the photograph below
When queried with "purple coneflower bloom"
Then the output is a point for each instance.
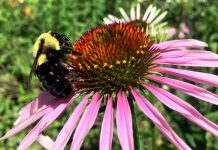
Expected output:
(150, 21)
(120, 67)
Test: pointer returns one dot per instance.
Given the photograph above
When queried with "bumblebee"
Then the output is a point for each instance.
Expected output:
(50, 52)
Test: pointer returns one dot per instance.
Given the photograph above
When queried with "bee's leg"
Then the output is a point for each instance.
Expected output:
(70, 51)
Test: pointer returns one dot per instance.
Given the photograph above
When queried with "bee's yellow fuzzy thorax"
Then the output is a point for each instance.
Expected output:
(49, 42)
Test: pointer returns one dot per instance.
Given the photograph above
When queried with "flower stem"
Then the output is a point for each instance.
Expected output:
(134, 123)
(153, 137)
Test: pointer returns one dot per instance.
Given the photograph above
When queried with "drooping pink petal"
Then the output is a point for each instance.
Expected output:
(189, 61)
(124, 122)
(57, 109)
(86, 122)
(187, 88)
(183, 108)
(26, 123)
(179, 44)
(159, 120)
(67, 130)
(107, 127)
(200, 77)
(45, 141)
(40, 102)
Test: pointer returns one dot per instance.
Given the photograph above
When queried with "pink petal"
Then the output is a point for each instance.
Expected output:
(57, 109)
(26, 123)
(107, 127)
(171, 32)
(189, 61)
(159, 18)
(179, 44)
(107, 21)
(86, 122)
(185, 29)
(181, 35)
(154, 12)
(39, 103)
(183, 108)
(187, 88)
(187, 54)
(124, 122)
(132, 13)
(159, 120)
(113, 18)
(45, 141)
(125, 16)
(138, 11)
(147, 12)
(67, 130)
(200, 77)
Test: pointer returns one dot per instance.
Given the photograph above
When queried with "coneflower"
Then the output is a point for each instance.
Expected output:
(119, 68)
(150, 21)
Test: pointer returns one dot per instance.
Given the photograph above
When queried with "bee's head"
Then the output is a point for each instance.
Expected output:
(63, 40)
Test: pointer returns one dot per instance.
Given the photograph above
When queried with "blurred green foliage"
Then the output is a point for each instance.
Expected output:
(22, 21)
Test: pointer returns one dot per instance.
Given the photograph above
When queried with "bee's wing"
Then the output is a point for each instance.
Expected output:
(33, 69)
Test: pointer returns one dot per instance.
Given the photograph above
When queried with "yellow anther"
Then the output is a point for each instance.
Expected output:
(80, 66)
(124, 61)
(88, 67)
(111, 66)
(118, 62)
(74, 57)
(144, 46)
(133, 58)
(142, 52)
(95, 66)
(105, 64)
(137, 52)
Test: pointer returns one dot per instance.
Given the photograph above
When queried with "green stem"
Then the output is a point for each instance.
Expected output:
(135, 127)
(153, 137)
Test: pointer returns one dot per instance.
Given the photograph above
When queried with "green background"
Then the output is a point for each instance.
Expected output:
(22, 21)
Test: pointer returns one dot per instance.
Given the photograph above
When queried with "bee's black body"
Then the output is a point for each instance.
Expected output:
(53, 76)
(50, 69)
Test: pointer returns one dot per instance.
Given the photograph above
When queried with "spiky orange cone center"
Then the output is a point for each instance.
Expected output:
(114, 57)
